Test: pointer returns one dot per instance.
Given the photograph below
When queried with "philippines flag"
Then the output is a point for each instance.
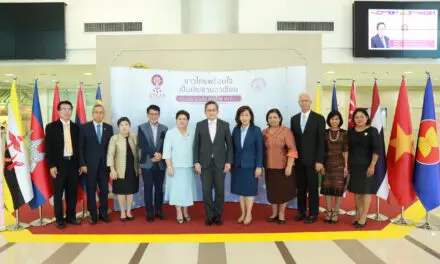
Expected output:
(381, 176)
(41, 180)
(427, 167)
(80, 119)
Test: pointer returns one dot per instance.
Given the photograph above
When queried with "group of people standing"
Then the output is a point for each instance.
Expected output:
(289, 158)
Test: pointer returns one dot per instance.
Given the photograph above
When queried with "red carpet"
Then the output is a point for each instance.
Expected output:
(196, 226)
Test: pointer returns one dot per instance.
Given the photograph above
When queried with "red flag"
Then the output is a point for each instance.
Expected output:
(352, 104)
(80, 120)
(56, 101)
(400, 158)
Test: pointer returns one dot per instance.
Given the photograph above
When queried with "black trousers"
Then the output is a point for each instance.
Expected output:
(213, 178)
(97, 178)
(153, 177)
(307, 182)
(67, 182)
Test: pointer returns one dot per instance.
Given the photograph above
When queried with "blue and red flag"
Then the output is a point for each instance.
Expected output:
(80, 119)
(427, 167)
(334, 98)
(41, 180)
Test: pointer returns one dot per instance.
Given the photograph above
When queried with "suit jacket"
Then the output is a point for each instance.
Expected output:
(55, 142)
(117, 154)
(376, 42)
(91, 152)
(251, 154)
(147, 147)
(204, 149)
(310, 144)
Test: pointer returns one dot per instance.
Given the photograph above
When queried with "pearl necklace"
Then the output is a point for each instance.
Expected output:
(330, 136)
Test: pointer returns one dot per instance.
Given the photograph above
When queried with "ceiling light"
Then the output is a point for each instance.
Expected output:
(330, 72)
(407, 72)
(9, 74)
(88, 73)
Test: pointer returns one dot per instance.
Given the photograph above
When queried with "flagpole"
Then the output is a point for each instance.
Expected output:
(426, 224)
(17, 226)
(401, 220)
(378, 216)
(41, 221)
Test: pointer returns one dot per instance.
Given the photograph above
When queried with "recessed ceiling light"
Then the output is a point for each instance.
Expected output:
(408, 72)
(330, 72)
(9, 74)
(88, 73)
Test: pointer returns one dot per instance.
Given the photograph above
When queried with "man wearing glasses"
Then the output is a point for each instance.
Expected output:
(150, 141)
(62, 157)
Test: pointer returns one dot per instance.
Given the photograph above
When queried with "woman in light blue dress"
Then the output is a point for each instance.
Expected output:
(178, 154)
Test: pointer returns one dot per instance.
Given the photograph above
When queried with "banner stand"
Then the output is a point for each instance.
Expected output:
(401, 220)
(41, 221)
(17, 226)
(426, 224)
(377, 216)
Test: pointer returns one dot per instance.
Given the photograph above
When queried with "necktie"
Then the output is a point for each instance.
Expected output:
(67, 139)
(303, 122)
(99, 133)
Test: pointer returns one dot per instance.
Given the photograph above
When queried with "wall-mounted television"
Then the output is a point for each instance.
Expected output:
(32, 31)
(396, 29)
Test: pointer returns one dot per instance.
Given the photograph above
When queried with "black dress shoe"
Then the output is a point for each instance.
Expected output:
(74, 222)
(160, 215)
(130, 218)
(272, 219)
(299, 217)
(218, 220)
(104, 219)
(60, 225)
(311, 219)
(208, 222)
(150, 217)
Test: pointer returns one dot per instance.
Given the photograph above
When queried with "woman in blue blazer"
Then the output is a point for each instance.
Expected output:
(248, 161)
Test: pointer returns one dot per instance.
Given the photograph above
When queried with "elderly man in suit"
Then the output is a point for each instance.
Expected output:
(212, 159)
(151, 136)
(94, 137)
(308, 129)
(62, 158)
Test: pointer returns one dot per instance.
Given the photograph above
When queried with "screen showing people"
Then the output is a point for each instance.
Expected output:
(398, 29)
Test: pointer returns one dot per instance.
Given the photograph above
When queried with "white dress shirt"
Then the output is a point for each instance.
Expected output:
(66, 154)
(212, 125)
(304, 119)
(154, 129)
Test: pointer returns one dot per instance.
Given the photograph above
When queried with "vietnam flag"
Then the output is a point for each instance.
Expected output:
(400, 158)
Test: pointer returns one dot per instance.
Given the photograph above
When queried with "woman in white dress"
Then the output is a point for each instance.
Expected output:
(178, 155)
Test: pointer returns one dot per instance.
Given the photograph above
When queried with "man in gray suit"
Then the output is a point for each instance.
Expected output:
(150, 141)
(212, 159)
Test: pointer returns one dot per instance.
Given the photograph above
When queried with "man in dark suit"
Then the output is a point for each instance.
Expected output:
(93, 143)
(62, 158)
(380, 41)
(308, 129)
(151, 136)
(212, 159)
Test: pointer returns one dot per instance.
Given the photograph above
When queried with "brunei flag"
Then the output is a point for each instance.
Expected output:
(16, 169)
(427, 168)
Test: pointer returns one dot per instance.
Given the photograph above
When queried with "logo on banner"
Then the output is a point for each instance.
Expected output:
(258, 84)
(157, 82)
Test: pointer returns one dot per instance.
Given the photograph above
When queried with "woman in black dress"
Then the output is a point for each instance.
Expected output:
(363, 141)
(122, 158)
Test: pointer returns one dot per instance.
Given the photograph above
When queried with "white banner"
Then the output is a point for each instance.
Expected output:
(133, 90)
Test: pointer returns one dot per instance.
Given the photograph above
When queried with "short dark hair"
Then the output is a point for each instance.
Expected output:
(333, 114)
(211, 103)
(276, 111)
(182, 112)
(363, 111)
(122, 119)
(66, 102)
(153, 107)
(380, 23)
(240, 110)
(96, 106)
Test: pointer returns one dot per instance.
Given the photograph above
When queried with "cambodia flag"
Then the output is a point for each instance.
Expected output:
(80, 119)
(427, 167)
(41, 180)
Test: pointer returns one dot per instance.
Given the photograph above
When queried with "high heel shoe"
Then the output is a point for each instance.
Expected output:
(180, 220)
(187, 218)
(354, 223)
(247, 222)
(281, 221)
(240, 220)
(272, 219)
(358, 225)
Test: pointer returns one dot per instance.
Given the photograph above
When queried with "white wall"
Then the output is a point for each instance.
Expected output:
(260, 16)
